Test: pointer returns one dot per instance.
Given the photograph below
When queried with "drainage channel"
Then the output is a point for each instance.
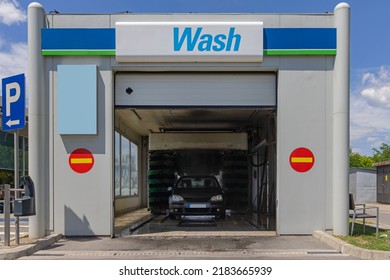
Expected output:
(161, 226)
(192, 254)
(324, 252)
(138, 225)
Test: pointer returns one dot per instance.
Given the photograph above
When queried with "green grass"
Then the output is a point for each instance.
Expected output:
(368, 239)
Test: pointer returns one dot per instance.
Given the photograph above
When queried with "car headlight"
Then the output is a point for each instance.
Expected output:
(216, 198)
(176, 198)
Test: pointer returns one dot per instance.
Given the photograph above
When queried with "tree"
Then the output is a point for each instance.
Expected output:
(383, 154)
(357, 160)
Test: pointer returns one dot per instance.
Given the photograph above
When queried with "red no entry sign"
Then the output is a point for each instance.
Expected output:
(301, 159)
(81, 160)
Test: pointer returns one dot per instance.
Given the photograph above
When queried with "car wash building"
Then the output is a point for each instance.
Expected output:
(121, 105)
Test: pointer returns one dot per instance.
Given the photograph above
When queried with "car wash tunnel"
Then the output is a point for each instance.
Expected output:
(234, 143)
(217, 122)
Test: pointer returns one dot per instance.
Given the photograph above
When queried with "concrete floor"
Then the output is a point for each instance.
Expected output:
(162, 238)
(201, 247)
(141, 223)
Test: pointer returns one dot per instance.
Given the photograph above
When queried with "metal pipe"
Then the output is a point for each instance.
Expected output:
(257, 148)
(7, 215)
(341, 74)
(38, 124)
(23, 156)
(16, 180)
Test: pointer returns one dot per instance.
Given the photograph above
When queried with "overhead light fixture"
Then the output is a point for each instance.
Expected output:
(195, 130)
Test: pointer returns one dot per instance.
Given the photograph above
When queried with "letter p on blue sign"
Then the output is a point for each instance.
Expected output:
(13, 102)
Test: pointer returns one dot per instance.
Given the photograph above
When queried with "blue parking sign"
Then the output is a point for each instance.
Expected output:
(13, 102)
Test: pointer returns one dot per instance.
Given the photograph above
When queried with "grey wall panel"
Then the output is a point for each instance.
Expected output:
(80, 21)
(270, 20)
(195, 90)
(329, 141)
(310, 21)
(83, 203)
(362, 184)
(49, 195)
(301, 122)
(365, 187)
(352, 184)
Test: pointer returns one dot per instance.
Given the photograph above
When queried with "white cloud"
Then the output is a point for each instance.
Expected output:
(359, 131)
(13, 60)
(11, 13)
(376, 88)
(378, 97)
(372, 139)
(370, 110)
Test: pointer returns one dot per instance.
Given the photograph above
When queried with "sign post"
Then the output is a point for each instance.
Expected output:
(16, 185)
(7, 218)
(13, 119)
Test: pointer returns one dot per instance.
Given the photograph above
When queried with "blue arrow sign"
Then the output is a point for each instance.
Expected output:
(13, 100)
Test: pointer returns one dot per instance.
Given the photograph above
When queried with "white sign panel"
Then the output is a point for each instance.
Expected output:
(189, 41)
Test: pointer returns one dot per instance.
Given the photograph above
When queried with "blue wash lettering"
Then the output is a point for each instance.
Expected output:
(232, 36)
(219, 42)
(186, 36)
(205, 42)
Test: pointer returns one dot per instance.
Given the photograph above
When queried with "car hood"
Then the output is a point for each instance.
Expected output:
(198, 194)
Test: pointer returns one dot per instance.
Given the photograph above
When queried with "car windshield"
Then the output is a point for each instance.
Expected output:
(197, 182)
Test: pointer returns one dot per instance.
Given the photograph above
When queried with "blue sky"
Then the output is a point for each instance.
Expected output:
(370, 46)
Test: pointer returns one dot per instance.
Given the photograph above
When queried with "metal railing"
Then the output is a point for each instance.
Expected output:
(7, 216)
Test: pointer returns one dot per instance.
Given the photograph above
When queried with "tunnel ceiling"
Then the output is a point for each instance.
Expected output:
(145, 121)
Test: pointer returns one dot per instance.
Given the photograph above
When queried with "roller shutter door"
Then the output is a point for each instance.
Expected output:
(195, 90)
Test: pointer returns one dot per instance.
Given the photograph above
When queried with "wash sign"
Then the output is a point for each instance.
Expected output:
(13, 102)
(189, 41)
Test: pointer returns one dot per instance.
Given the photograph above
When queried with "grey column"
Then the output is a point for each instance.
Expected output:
(37, 113)
(341, 120)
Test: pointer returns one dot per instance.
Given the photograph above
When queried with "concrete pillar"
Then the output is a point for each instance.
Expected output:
(341, 120)
(37, 117)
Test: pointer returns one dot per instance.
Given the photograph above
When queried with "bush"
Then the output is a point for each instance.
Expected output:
(6, 176)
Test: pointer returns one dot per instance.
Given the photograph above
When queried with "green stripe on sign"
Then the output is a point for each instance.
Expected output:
(299, 52)
(113, 52)
(78, 52)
